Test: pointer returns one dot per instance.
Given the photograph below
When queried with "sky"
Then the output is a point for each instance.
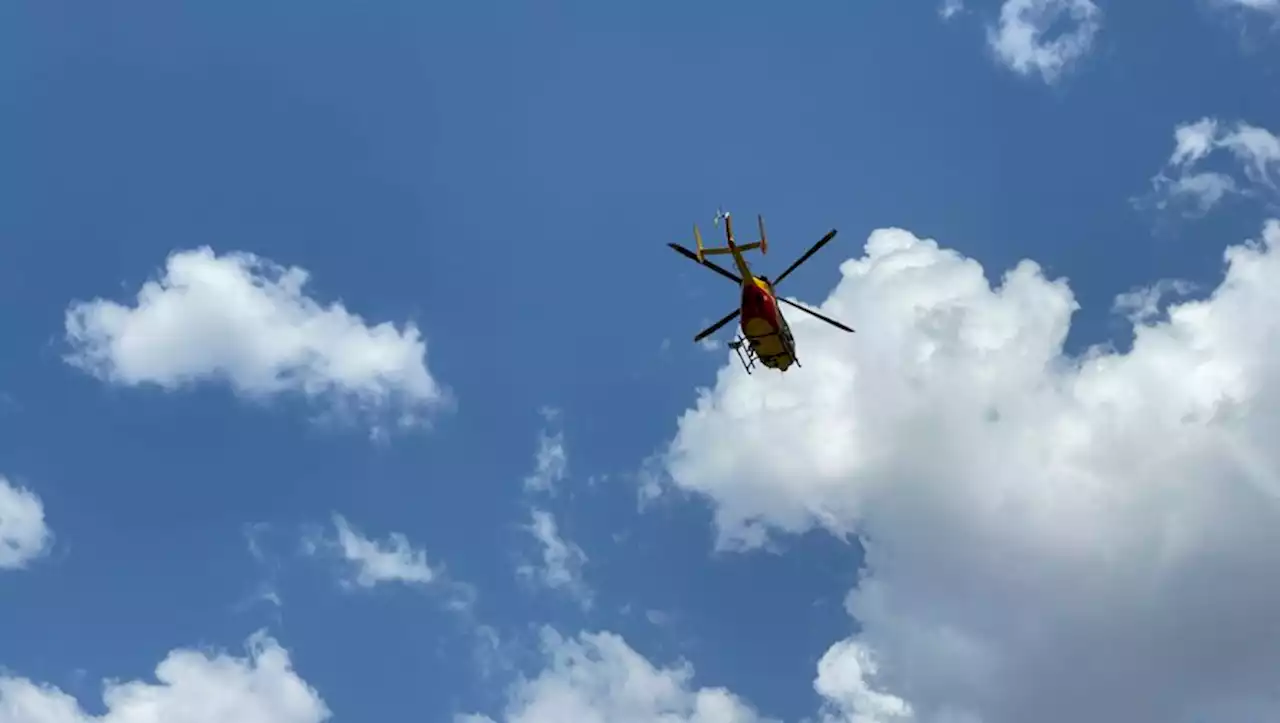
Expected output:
(347, 375)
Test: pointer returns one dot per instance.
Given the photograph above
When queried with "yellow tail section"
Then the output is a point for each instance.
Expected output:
(721, 250)
(716, 250)
(732, 248)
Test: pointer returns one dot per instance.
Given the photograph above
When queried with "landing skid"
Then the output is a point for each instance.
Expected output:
(748, 359)
(747, 353)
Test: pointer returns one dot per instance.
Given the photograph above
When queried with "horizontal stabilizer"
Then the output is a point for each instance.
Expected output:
(721, 250)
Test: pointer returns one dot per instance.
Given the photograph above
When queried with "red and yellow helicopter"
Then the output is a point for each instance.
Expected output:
(766, 336)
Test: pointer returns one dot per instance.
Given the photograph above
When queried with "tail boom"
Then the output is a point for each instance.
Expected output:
(731, 247)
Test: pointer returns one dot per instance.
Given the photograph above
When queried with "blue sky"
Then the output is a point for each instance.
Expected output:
(497, 182)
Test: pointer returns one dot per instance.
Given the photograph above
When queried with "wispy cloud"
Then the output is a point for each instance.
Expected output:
(393, 560)
(562, 560)
(1143, 305)
(1185, 184)
(1263, 6)
(267, 590)
(552, 461)
(1022, 39)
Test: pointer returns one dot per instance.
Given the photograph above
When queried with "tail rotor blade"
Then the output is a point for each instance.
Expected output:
(811, 312)
(812, 250)
(716, 326)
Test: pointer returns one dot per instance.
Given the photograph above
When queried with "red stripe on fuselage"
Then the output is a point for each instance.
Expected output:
(758, 304)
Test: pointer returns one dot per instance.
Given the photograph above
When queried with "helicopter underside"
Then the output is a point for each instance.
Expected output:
(764, 342)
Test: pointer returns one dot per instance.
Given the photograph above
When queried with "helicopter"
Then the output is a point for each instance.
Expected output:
(765, 335)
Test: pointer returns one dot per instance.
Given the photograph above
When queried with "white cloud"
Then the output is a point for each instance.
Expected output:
(246, 321)
(1047, 538)
(1029, 38)
(657, 617)
(843, 674)
(562, 560)
(393, 560)
(375, 562)
(1266, 6)
(24, 536)
(1202, 190)
(552, 461)
(267, 590)
(191, 687)
(1193, 141)
(950, 8)
(598, 678)
(1143, 305)
(1255, 151)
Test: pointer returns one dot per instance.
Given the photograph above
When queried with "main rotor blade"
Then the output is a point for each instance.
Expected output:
(812, 250)
(714, 267)
(807, 310)
(716, 326)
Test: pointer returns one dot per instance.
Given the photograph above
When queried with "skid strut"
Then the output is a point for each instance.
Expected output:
(747, 358)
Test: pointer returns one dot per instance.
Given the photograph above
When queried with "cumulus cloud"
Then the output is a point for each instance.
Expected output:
(1047, 537)
(1044, 36)
(190, 687)
(599, 678)
(24, 536)
(1185, 182)
(562, 560)
(246, 321)
(843, 679)
(950, 8)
